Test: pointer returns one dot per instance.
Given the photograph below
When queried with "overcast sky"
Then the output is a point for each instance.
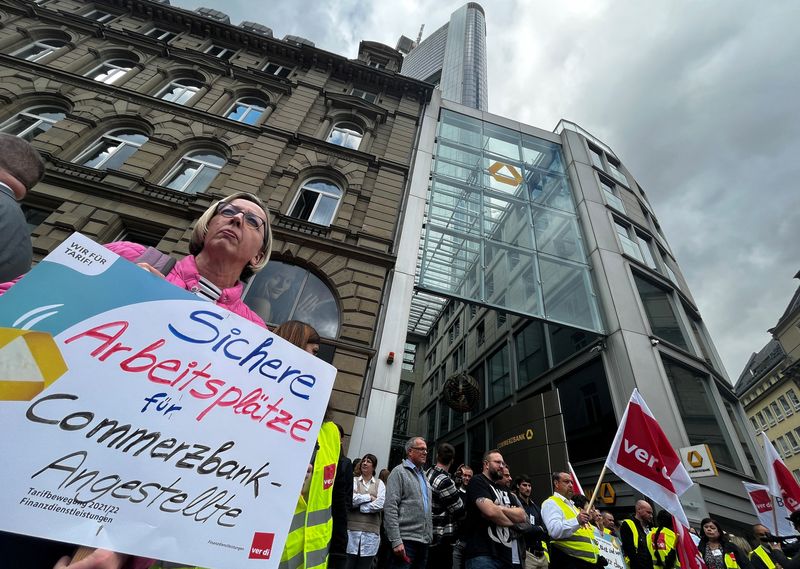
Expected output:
(698, 99)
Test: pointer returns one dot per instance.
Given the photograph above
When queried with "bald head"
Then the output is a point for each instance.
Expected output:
(21, 167)
(644, 512)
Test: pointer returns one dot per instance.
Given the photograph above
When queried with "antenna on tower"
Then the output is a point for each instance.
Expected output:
(419, 36)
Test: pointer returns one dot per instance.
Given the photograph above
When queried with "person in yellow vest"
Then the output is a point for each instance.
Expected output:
(717, 551)
(661, 543)
(633, 535)
(572, 542)
(609, 524)
(767, 554)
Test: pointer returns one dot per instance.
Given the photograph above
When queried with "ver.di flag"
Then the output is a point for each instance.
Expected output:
(763, 504)
(688, 554)
(780, 480)
(642, 456)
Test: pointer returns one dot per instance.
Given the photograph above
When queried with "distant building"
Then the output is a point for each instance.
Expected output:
(769, 386)
(454, 58)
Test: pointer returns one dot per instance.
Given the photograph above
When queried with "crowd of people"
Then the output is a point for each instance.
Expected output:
(488, 520)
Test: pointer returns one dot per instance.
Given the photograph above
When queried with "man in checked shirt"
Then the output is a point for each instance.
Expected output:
(448, 508)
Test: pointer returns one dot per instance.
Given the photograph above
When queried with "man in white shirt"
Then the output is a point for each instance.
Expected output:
(571, 536)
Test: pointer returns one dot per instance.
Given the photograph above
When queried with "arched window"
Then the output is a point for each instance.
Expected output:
(284, 292)
(195, 171)
(180, 90)
(38, 49)
(109, 71)
(346, 134)
(247, 110)
(113, 149)
(317, 201)
(32, 122)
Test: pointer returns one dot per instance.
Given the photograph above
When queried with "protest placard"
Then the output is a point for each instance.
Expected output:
(610, 548)
(140, 418)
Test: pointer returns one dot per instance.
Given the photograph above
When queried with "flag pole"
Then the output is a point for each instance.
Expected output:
(596, 490)
(774, 515)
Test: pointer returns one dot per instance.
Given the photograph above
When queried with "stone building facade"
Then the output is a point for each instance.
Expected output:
(147, 113)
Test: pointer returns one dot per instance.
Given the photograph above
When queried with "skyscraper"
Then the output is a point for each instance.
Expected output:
(454, 58)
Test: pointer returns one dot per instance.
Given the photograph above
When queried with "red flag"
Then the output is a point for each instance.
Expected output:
(576, 486)
(780, 480)
(642, 456)
(688, 554)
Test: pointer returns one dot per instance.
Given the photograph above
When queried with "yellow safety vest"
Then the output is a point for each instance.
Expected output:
(312, 525)
(764, 556)
(730, 561)
(660, 550)
(580, 544)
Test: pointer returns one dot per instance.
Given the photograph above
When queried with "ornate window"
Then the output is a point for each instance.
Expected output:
(278, 70)
(110, 71)
(346, 134)
(38, 49)
(284, 292)
(113, 149)
(32, 122)
(195, 171)
(180, 90)
(223, 53)
(247, 110)
(160, 34)
(366, 95)
(99, 16)
(317, 201)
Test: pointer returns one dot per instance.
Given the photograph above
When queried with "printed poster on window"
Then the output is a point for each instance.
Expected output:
(140, 418)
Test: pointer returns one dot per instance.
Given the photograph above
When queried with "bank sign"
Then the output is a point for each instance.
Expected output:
(142, 419)
(698, 461)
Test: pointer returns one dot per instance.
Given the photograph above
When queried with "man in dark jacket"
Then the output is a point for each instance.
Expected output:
(341, 502)
(633, 534)
(534, 540)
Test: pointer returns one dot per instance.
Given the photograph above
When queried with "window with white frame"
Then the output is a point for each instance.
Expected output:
(611, 197)
(784, 446)
(793, 399)
(629, 246)
(99, 16)
(792, 440)
(317, 201)
(195, 171)
(762, 420)
(112, 150)
(220, 52)
(180, 90)
(770, 417)
(646, 248)
(787, 409)
(247, 110)
(776, 410)
(39, 49)
(755, 424)
(32, 122)
(346, 134)
(161, 34)
(366, 95)
(277, 70)
(110, 71)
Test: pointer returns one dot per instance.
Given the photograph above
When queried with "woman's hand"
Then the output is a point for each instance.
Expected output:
(151, 269)
(99, 559)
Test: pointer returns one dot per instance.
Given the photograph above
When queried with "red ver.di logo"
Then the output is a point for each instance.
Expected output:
(328, 474)
(262, 545)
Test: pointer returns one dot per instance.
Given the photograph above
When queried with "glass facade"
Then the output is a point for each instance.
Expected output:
(660, 313)
(501, 225)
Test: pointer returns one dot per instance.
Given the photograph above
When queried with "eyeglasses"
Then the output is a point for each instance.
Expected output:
(251, 219)
(420, 449)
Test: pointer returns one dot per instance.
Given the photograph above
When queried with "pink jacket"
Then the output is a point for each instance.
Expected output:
(185, 275)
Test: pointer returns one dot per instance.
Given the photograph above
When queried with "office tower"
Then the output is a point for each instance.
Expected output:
(454, 58)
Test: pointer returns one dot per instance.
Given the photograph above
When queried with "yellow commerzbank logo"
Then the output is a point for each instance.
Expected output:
(695, 459)
(527, 435)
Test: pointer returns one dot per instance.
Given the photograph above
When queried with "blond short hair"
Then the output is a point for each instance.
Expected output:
(201, 228)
